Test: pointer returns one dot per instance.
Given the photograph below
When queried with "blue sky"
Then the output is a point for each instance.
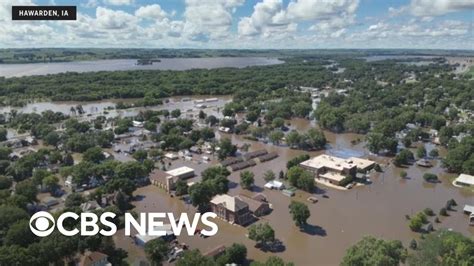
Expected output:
(432, 24)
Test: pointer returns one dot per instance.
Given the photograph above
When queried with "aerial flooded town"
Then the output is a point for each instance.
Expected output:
(295, 155)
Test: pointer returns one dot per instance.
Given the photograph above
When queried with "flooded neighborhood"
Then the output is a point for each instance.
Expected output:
(340, 217)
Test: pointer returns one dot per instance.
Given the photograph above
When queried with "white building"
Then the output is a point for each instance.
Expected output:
(464, 180)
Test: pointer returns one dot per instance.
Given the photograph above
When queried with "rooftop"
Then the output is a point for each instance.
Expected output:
(231, 203)
(91, 258)
(180, 171)
(333, 176)
(466, 179)
(328, 161)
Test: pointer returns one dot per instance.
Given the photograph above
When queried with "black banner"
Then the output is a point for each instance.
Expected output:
(43, 12)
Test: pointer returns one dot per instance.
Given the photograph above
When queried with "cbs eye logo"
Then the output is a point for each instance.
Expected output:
(40, 224)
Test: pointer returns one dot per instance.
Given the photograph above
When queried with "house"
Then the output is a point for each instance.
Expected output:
(171, 156)
(231, 209)
(335, 170)
(137, 123)
(255, 154)
(267, 157)
(50, 202)
(94, 259)
(427, 227)
(241, 165)
(209, 100)
(195, 149)
(141, 240)
(260, 197)
(70, 183)
(424, 163)
(468, 209)
(464, 180)
(274, 185)
(257, 207)
(90, 206)
(224, 129)
(168, 179)
(230, 161)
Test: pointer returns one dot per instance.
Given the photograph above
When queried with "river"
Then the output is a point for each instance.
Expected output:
(18, 70)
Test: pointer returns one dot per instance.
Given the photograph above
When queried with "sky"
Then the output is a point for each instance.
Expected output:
(247, 24)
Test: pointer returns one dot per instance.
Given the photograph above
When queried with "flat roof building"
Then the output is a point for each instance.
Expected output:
(168, 179)
(334, 170)
(464, 180)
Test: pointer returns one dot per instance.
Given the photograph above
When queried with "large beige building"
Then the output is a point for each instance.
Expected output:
(168, 179)
(333, 169)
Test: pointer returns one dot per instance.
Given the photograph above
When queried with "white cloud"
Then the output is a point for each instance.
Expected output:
(114, 19)
(91, 3)
(151, 11)
(119, 2)
(209, 19)
(429, 8)
(329, 17)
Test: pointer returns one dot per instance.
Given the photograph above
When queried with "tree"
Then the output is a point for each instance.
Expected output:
(127, 186)
(293, 139)
(306, 182)
(74, 200)
(430, 177)
(27, 189)
(10, 215)
(272, 261)
(176, 113)
(94, 155)
(417, 221)
(237, 253)
(194, 258)
(51, 182)
(130, 170)
(434, 153)
(68, 160)
(3, 134)
(421, 152)
(263, 234)
(5, 153)
(52, 138)
(403, 174)
(372, 251)
(403, 157)
(269, 175)
(297, 160)
(157, 250)
(211, 120)
(252, 116)
(226, 149)
(5, 182)
(181, 187)
(20, 234)
(246, 179)
(276, 136)
(299, 212)
(140, 155)
(202, 115)
(293, 174)
(278, 122)
(443, 248)
(200, 195)
(300, 178)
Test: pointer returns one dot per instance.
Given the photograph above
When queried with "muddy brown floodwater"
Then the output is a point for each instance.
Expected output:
(336, 222)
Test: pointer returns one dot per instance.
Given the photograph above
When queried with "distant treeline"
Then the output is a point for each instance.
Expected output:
(159, 84)
(41, 55)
